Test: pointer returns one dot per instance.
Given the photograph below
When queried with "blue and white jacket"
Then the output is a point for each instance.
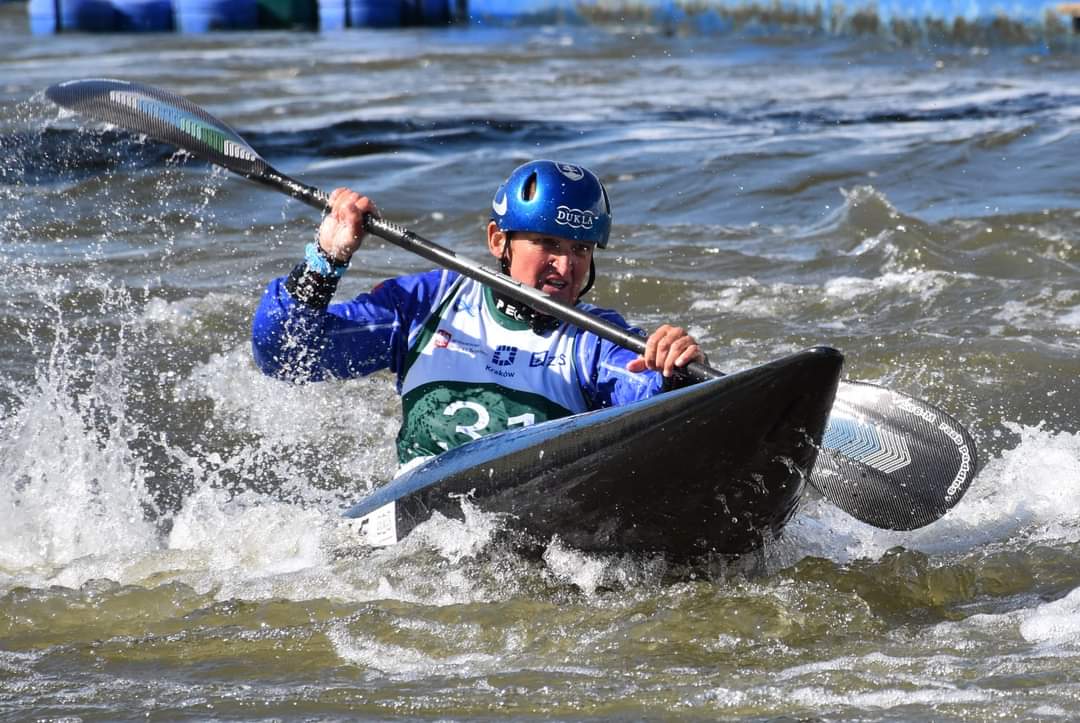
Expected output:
(464, 368)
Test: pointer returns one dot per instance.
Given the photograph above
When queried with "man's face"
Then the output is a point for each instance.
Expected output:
(557, 266)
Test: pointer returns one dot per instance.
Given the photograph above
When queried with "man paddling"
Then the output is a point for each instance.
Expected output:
(470, 362)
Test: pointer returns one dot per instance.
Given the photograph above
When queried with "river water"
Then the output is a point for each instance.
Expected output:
(170, 545)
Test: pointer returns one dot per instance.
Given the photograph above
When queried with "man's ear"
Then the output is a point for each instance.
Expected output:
(496, 240)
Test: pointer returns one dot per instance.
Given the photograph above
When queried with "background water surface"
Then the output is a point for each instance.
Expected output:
(170, 545)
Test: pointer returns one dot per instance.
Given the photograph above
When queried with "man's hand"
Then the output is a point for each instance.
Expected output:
(342, 231)
(667, 348)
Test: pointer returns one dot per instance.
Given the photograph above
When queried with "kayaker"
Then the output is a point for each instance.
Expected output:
(468, 361)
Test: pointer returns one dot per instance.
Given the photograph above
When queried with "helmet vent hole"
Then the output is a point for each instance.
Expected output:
(528, 190)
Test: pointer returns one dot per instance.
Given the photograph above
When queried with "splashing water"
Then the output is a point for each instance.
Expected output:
(74, 488)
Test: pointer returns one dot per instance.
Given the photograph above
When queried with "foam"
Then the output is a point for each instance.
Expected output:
(1055, 623)
(1053, 628)
(354, 421)
(585, 571)
(903, 695)
(184, 316)
(922, 285)
(1046, 311)
(1070, 319)
(749, 297)
(76, 489)
(874, 681)
(408, 663)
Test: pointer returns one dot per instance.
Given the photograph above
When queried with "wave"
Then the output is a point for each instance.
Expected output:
(45, 150)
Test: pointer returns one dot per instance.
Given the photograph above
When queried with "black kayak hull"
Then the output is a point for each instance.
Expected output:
(716, 467)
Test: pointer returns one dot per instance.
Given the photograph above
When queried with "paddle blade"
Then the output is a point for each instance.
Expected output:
(892, 461)
(161, 115)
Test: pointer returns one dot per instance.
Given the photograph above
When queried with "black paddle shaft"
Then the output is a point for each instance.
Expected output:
(174, 119)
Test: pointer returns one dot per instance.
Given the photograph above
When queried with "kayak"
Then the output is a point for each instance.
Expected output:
(719, 466)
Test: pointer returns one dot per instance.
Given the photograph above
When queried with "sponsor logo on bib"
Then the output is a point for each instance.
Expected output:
(465, 307)
(443, 339)
(504, 355)
(547, 359)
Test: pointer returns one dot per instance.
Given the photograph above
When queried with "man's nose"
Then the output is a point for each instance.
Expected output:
(562, 261)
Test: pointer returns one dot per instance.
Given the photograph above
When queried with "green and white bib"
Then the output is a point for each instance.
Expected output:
(472, 371)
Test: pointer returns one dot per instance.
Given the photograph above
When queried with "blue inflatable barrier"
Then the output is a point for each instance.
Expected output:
(511, 9)
(287, 14)
(200, 16)
(433, 12)
(42, 16)
(332, 15)
(153, 16)
(53, 16)
(376, 13)
(92, 16)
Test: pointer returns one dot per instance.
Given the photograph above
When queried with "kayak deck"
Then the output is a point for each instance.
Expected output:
(716, 467)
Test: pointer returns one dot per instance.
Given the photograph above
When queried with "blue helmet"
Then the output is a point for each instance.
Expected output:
(556, 199)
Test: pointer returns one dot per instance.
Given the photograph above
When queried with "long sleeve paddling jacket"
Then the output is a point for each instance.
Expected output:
(464, 368)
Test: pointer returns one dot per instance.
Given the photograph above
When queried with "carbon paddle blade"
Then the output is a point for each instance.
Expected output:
(175, 120)
(892, 461)
(161, 115)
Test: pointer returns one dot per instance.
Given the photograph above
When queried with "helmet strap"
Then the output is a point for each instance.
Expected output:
(504, 260)
(592, 278)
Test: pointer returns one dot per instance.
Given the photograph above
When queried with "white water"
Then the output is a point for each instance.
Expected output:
(76, 511)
